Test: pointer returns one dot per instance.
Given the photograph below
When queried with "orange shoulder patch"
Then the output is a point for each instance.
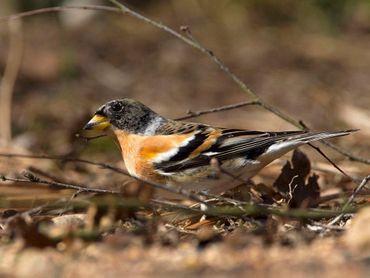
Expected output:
(211, 139)
(154, 146)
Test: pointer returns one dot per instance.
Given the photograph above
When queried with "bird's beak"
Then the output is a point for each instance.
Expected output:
(97, 123)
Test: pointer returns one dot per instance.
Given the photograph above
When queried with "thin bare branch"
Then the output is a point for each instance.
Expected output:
(347, 153)
(173, 205)
(59, 9)
(226, 200)
(255, 210)
(193, 114)
(47, 175)
(350, 200)
(34, 179)
(175, 190)
(259, 210)
(331, 162)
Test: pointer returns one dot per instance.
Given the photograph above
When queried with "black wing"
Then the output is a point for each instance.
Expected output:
(230, 144)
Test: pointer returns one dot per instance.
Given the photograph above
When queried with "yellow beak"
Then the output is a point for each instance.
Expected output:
(97, 123)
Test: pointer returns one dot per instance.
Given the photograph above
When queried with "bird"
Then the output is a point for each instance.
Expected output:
(192, 156)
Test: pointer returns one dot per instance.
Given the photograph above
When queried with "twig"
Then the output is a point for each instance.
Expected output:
(240, 209)
(356, 191)
(45, 174)
(319, 168)
(33, 179)
(257, 210)
(176, 190)
(347, 153)
(79, 204)
(174, 205)
(330, 161)
(194, 114)
(227, 200)
(59, 9)
(219, 211)
(350, 200)
(291, 190)
(66, 159)
(341, 195)
(261, 210)
(8, 81)
(85, 138)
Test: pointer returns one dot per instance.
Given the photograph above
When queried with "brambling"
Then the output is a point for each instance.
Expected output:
(188, 154)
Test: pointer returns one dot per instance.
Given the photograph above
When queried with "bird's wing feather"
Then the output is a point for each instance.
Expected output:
(222, 144)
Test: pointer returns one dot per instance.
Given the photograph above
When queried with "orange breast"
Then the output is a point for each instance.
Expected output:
(139, 151)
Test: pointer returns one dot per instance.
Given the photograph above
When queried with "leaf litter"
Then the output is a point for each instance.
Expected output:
(133, 222)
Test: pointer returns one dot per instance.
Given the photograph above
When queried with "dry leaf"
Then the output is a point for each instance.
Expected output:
(30, 231)
(293, 183)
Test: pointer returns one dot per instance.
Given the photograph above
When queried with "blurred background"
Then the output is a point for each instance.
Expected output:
(310, 59)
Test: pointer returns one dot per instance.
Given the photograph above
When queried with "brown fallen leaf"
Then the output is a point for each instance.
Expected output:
(299, 191)
(30, 231)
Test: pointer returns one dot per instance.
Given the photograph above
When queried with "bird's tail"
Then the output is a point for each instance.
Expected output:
(279, 148)
(316, 136)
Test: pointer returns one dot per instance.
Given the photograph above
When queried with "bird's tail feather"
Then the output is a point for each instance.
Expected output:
(279, 148)
(315, 136)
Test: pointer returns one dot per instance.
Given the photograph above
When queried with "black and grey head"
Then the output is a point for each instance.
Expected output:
(126, 114)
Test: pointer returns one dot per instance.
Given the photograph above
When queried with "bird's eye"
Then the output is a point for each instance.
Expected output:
(116, 106)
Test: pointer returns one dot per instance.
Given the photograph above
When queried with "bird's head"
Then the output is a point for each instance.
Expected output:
(124, 114)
